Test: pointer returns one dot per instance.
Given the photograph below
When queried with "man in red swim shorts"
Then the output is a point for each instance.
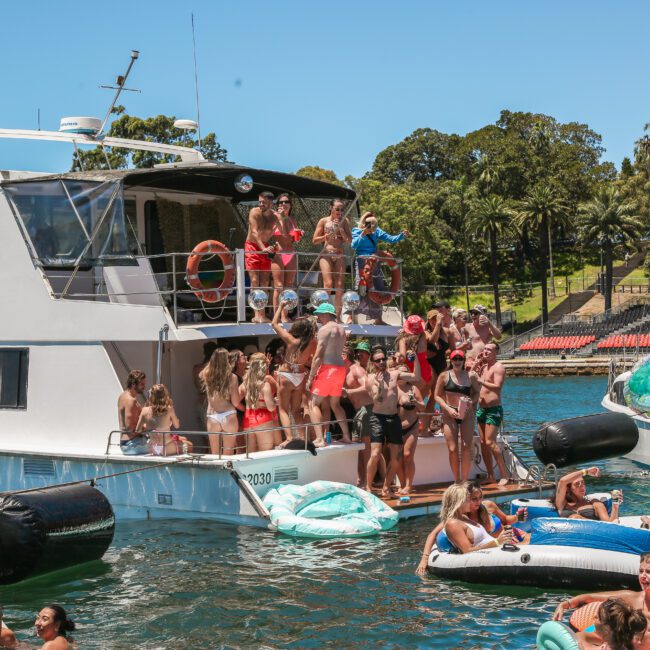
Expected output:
(327, 375)
(262, 221)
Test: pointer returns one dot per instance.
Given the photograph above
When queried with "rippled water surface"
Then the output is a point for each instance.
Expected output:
(185, 584)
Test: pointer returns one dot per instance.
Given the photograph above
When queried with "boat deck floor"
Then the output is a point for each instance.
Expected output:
(431, 494)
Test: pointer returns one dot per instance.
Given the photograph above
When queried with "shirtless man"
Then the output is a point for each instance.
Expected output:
(637, 599)
(489, 415)
(262, 221)
(480, 332)
(355, 391)
(7, 638)
(129, 406)
(384, 422)
(327, 374)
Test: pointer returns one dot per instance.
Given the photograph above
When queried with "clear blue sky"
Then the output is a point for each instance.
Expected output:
(296, 82)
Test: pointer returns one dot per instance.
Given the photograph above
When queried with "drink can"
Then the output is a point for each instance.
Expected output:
(328, 437)
(521, 514)
(616, 495)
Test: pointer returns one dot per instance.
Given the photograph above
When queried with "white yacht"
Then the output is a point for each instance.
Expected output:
(93, 263)
(614, 400)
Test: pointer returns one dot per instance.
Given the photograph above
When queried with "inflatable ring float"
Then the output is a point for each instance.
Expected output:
(382, 297)
(326, 509)
(200, 251)
(556, 636)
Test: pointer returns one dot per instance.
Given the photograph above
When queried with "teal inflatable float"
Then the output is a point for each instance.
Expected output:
(637, 389)
(556, 636)
(325, 509)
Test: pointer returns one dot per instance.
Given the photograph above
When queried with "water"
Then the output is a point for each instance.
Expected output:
(187, 584)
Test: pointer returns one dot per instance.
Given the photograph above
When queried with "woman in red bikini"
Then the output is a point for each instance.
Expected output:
(260, 414)
(333, 232)
(284, 265)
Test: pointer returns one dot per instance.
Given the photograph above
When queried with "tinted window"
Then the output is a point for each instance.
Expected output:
(13, 378)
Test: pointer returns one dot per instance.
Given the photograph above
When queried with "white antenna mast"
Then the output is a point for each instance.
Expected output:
(119, 87)
(196, 84)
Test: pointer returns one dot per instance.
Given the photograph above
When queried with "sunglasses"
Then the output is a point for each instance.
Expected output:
(578, 484)
(459, 359)
(284, 202)
(382, 360)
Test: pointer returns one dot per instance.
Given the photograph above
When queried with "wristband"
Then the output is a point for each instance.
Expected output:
(585, 472)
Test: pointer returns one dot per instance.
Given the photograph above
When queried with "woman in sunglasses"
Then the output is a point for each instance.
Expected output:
(571, 501)
(284, 265)
(457, 392)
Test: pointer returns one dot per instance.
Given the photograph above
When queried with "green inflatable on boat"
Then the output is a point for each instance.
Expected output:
(325, 509)
(556, 636)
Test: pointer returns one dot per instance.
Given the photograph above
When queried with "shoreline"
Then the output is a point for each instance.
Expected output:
(556, 367)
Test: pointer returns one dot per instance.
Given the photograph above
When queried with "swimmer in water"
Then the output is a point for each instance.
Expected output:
(52, 626)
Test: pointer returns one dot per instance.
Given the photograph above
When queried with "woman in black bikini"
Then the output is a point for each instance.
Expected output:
(436, 333)
(570, 498)
(457, 394)
(410, 404)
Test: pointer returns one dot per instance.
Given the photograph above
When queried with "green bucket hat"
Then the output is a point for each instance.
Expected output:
(325, 308)
(363, 345)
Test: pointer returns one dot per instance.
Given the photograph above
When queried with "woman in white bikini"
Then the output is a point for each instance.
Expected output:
(157, 418)
(300, 342)
(260, 414)
(222, 390)
(284, 264)
(333, 232)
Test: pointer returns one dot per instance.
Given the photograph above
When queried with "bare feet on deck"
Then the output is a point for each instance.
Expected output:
(260, 320)
(320, 443)
(404, 491)
(504, 481)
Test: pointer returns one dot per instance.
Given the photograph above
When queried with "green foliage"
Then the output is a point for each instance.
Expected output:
(152, 129)
(319, 174)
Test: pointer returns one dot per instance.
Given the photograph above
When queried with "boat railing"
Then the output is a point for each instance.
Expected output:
(115, 436)
(162, 280)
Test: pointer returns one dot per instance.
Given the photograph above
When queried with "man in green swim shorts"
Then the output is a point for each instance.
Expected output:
(489, 415)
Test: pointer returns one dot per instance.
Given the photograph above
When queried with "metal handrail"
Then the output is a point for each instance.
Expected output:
(170, 293)
(245, 433)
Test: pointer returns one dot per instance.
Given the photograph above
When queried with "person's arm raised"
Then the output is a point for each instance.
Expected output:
(288, 338)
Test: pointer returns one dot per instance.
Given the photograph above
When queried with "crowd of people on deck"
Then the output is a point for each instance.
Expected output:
(51, 625)
(314, 384)
(269, 251)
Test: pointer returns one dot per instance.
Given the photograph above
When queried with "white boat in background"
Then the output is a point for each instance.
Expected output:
(614, 400)
(97, 260)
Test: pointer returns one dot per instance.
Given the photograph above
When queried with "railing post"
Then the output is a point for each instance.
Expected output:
(240, 275)
(174, 288)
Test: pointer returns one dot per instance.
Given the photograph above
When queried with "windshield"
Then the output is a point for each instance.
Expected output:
(71, 223)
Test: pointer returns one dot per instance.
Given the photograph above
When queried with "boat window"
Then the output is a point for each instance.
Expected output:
(72, 223)
(13, 378)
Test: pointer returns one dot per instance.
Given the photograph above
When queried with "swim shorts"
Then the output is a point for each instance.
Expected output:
(329, 381)
(490, 415)
(137, 446)
(361, 422)
(255, 260)
(385, 428)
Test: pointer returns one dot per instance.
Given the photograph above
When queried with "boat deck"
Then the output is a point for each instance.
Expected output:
(427, 499)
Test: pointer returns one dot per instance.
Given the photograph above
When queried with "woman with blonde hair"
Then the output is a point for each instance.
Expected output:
(157, 418)
(300, 342)
(333, 231)
(260, 414)
(222, 390)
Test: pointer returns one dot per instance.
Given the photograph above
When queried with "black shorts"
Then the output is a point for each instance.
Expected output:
(385, 428)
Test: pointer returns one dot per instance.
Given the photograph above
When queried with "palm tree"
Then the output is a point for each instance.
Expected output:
(491, 217)
(489, 173)
(609, 220)
(541, 209)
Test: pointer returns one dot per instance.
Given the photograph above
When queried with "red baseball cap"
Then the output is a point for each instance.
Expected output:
(457, 353)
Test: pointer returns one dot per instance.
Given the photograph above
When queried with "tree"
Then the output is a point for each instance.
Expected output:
(153, 129)
(490, 218)
(538, 211)
(609, 221)
(319, 174)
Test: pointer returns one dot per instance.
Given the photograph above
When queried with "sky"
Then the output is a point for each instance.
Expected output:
(287, 83)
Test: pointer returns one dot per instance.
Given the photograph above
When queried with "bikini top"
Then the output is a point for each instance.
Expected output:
(480, 534)
(588, 512)
(452, 387)
(441, 348)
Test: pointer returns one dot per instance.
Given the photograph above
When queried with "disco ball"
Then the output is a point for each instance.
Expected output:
(244, 183)
(291, 298)
(319, 297)
(351, 301)
(257, 299)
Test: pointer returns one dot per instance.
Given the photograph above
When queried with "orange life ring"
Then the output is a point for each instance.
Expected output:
(210, 247)
(382, 297)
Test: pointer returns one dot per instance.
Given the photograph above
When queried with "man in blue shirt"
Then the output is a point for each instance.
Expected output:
(365, 238)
